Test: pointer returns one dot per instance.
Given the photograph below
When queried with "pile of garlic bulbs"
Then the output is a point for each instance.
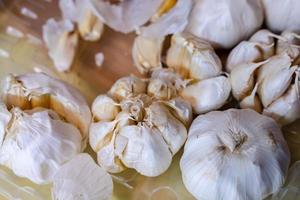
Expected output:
(134, 128)
(234, 154)
(44, 123)
(264, 74)
(206, 88)
(61, 37)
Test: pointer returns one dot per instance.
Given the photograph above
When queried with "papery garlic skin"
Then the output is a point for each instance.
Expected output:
(146, 53)
(209, 94)
(5, 117)
(221, 159)
(225, 23)
(36, 144)
(105, 108)
(192, 57)
(61, 41)
(81, 178)
(282, 15)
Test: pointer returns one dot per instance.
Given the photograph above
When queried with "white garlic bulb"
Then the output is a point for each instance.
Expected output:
(243, 156)
(146, 132)
(146, 53)
(282, 15)
(61, 41)
(82, 179)
(259, 47)
(80, 12)
(44, 123)
(192, 57)
(225, 23)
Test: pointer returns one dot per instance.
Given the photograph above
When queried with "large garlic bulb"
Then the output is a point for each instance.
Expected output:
(44, 123)
(134, 128)
(234, 154)
(225, 23)
(82, 179)
(282, 15)
(268, 82)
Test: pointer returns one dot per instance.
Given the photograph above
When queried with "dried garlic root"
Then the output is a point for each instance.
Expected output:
(236, 154)
(134, 128)
(44, 123)
(268, 81)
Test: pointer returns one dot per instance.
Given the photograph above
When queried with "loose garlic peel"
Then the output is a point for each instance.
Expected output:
(61, 40)
(221, 159)
(146, 132)
(44, 123)
(82, 179)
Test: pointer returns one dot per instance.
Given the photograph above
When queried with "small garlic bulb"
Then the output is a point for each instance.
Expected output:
(225, 23)
(221, 159)
(145, 128)
(44, 123)
(61, 41)
(81, 178)
(282, 15)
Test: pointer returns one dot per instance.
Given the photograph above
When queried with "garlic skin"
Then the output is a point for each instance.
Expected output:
(225, 23)
(148, 130)
(252, 101)
(281, 16)
(192, 57)
(221, 159)
(105, 108)
(80, 12)
(37, 143)
(146, 53)
(286, 109)
(61, 41)
(44, 123)
(207, 95)
(77, 180)
(258, 48)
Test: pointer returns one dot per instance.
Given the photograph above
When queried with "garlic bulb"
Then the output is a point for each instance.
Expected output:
(259, 47)
(44, 123)
(225, 23)
(221, 159)
(265, 85)
(61, 41)
(192, 57)
(140, 132)
(80, 12)
(282, 15)
(146, 53)
(81, 178)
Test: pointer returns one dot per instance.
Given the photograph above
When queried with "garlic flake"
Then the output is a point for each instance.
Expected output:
(221, 159)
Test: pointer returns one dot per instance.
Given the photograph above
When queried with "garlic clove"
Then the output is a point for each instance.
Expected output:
(172, 130)
(273, 86)
(61, 41)
(139, 152)
(290, 43)
(126, 87)
(77, 180)
(100, 134)
(192, 57)
(173, 21)
(5, 117)
(125, 16)
(181, 109)
(207, 95)
(285, 109)
(64, 99)
(146, 53)
(242, 79)
(37, 143)
(274, 64)
(104, 108)
(244, 52)
(221, 159)
(252, 101)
